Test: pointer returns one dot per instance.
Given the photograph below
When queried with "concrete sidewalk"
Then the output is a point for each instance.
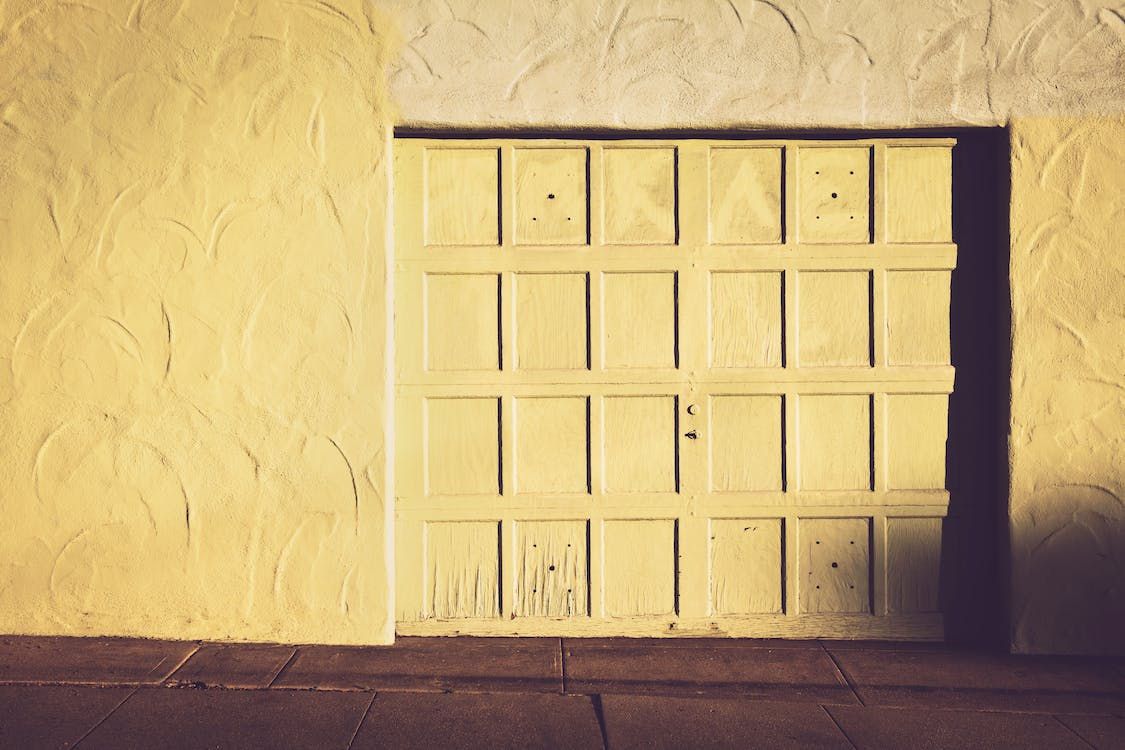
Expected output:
(549, 692)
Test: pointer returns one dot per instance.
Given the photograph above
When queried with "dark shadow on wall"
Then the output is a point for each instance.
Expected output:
(974, 559)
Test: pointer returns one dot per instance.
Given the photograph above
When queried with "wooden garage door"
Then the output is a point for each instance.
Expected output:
(671, 387)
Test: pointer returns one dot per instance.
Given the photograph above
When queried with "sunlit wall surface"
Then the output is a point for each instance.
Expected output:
(193, 294)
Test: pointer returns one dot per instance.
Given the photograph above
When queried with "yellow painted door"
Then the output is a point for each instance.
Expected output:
(671, 387)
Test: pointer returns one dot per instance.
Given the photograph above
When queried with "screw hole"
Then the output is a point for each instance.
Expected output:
(818, 171)
(835, 565)
(818, 586)
(551, 196)
(818, 217)
(833, 195)
(850, 172)
(851, 587)
(552, 567)
(533, 218)
(818, 541)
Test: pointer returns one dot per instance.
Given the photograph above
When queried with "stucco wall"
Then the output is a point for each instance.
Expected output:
(192, 320)
(193, 297)
(755, 63)
(1068, 384)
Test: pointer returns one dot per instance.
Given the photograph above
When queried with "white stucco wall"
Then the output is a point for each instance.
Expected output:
(779, 64)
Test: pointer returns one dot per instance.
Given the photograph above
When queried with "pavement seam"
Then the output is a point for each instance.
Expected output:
(285, 666)
(362, 719)
(562, 665)
(1074, 731)
(599, 714)
(839, 726)
(105, 718)
(282, 668)
(179, 666)
(842, 674)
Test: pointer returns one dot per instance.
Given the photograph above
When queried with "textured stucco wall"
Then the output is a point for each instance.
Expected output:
(755, 63)
(1067, 449)
(192, 281)
(192, 320)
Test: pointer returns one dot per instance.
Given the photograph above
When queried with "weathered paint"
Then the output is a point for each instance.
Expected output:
(679, 415)
(551, 581)
(835, 565)
(746, 319)
(746, 566)
(913, 564)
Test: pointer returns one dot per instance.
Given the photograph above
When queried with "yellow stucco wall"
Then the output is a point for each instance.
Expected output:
(1067, 445)
(193, 289)
(193, 203)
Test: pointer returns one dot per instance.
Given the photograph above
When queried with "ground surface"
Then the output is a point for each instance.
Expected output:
(547, 692)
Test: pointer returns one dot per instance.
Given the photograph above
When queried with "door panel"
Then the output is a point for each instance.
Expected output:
(658, 387)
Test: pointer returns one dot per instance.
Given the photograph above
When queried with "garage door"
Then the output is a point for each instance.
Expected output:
(671, 387)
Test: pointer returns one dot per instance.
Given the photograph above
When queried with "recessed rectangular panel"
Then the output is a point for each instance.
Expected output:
(462, 322)
(833, 194)
(551, 569)
(551, 196)
(462, 446)
(551, 445)
(916, 432)
(463, 569)
(918, 317)
(552, 330)
(746, 319)
(919, 194)
(834, 565)
(835, 442)
(746, 566)
(913, 564)
(639, 319)
(640, 443)
(639, 199)
(745, 196)
(640, 568)
(746, 443)
(462, 196)
(834, 319)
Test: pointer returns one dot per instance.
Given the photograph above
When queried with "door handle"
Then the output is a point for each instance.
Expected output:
(693, 435)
